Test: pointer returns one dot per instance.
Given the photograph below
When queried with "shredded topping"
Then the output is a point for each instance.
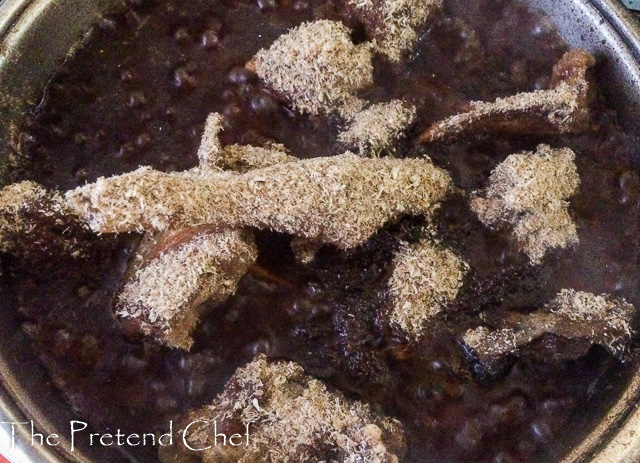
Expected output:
(236, 158)
(317, 68)
(582, 319)
(210, 147)
(36, 224)
(529, 191)
(394, 24)
(294, 418)
(378, 127)
(165, 293)
(561, 109)
(426, 277)
(340, 200)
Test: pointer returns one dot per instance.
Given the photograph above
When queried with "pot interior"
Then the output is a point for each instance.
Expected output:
(38, 35)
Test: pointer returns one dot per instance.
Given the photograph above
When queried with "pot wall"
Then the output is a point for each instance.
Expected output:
(36, 35)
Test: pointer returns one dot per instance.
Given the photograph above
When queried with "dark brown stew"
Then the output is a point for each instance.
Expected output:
(137, 92)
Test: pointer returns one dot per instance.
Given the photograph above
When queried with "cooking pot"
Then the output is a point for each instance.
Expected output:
(37, 35)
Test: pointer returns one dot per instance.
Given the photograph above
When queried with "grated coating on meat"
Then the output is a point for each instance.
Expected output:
(174, 272)
(561, 109)
(292, 418)
(237, 158)
(378, 127)
(341, 200)
(425, 278)
(529, 191)
(243, 158)
(317, 68)
(393, 25)
(210, 148)
(164, 294)
(578, 318)
(36, 225)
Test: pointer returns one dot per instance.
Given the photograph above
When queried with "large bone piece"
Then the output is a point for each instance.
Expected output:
(393, 25)
(425, 278)
(290, 417)
(575, 320)
(234, 158)
(340, 200)
(563, 108)
(529, 191)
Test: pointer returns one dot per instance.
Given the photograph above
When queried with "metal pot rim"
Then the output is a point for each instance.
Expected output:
(615, 440)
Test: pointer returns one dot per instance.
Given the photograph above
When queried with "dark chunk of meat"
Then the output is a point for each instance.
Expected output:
(563, 108)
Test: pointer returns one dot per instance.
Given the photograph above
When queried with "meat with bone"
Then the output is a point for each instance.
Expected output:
(394, 25)
(529, 191)
(290, 416)
(564, 329)
(171, 276)
(563, 108)
(317, 68)
(340, 200)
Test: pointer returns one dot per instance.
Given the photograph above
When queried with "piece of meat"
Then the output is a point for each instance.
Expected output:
(341, 200)
(564, 329)
(289, 417)
(529, 191)
(393, 25)
(172, 274)
(317, 68)
(39, 228)
(563, 108)
(235, 158)
(378, 127)
(425, 278)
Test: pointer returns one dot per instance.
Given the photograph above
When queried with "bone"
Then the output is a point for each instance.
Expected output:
(563, 108)
(317, 68)
(290, 417)
(210, 146)
(394, 25)
(426, 277)
(576, 319)
(529, 191)
(340, 200)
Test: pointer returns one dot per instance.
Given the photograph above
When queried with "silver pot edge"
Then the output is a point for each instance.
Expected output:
(33, 43)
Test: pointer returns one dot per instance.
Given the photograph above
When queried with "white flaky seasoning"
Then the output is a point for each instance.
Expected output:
(378, 127)
(561, 109)
(582, 319)
(236, 158)
(341, 200)
(174, 272)
(317, 68)
(37, 224)
(291, 417)
(393, 25)
(163, 297)
(529, 191)
(425, 278)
